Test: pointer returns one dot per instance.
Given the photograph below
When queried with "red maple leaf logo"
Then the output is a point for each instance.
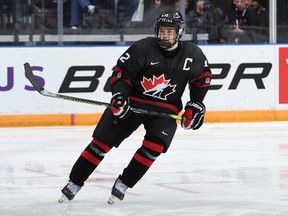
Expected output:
(156, 86)
(149, 84)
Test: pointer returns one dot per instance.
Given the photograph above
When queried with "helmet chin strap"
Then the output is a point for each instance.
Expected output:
(166, 45)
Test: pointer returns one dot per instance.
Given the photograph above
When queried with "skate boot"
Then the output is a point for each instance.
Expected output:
(69, 191)
(91, 9)
(118, 191)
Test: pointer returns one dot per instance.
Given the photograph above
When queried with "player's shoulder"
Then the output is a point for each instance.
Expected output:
(191, 47)
(148, 39)
(146, 42)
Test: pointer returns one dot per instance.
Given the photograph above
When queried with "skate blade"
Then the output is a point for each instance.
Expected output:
(62, 199)
(111, 199)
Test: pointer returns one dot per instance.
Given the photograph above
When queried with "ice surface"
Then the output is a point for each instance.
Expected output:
(219, 170)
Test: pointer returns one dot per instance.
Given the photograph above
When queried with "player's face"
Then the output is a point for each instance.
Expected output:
(167, 34)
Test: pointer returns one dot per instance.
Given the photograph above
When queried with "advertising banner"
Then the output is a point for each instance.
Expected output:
(245, 78)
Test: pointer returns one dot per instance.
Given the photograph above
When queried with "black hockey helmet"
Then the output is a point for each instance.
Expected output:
(173, 19)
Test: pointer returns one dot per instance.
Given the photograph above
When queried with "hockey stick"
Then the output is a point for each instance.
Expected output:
(29, 74)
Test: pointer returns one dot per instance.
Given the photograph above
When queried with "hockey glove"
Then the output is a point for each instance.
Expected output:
(120, 104)
(193, 116)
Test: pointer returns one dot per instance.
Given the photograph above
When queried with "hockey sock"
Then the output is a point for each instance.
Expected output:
(89, 159)
(141, 162)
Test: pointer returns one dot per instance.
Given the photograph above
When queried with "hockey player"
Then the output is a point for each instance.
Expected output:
(152, 74)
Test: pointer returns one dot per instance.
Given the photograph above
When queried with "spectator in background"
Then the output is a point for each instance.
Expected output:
(124, 12)
(249, 2)
(106, 15)
(216, 18)
(242, 20)
(204, 19)
(78, 7)
(262, 13)
(115, 15)
(151, 10)
(178, 5)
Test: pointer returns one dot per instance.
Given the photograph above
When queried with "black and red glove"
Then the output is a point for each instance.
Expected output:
(120, 105)
(193, 116)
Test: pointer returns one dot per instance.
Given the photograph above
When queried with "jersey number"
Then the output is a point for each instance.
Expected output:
(125, 57)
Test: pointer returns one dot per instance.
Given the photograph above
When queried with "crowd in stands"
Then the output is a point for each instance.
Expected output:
(224, 21)
(247, 21)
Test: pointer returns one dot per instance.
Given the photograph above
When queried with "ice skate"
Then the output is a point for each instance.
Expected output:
(118, 191)
(69, 192)
(91, 9)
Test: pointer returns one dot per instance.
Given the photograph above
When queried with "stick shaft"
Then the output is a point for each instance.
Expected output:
(45, 92)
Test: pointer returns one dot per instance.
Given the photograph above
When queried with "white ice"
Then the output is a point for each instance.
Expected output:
(219, 170)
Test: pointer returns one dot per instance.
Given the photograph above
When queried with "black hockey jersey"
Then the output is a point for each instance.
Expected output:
(155, 79)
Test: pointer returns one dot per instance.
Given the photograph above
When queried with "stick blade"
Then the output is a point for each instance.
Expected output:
(29, 74)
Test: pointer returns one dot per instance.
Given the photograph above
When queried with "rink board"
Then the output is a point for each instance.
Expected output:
(249, 83)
